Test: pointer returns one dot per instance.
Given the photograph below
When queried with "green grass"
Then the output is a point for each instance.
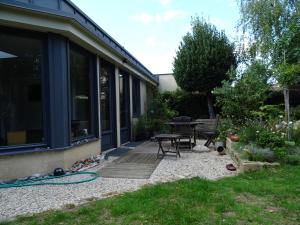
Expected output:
(267, 197)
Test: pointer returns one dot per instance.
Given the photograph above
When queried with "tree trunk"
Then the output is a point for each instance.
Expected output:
(286, 95)
(210, 106)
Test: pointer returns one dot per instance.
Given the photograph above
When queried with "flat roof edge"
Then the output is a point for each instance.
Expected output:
(66, 8)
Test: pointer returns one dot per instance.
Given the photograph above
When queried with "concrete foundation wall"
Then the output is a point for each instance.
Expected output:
(22, 165)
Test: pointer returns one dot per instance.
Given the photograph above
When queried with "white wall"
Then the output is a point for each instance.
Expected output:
(167, 82)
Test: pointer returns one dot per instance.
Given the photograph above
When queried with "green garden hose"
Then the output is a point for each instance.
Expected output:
(40, 181)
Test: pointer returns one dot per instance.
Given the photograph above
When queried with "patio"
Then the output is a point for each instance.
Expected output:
(201, 162)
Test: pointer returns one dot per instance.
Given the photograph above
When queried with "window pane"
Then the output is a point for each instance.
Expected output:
(122, 101)
(80, 93)
(21, 109)
(136, 97)
(105, 82)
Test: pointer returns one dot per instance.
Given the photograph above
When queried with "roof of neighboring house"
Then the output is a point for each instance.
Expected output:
(68, 9)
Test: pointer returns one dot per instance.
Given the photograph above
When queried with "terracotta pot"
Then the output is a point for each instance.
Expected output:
(234, 138)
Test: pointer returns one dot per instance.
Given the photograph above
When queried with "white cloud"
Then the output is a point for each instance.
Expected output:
(165, 2)
(157, 63)
(174, 14)
(166, 16)
(143, 17)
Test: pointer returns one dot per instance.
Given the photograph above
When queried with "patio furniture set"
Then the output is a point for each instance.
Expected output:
(184, 132)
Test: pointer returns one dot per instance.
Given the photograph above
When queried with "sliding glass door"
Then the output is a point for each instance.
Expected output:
(124, 107)
(107, 104)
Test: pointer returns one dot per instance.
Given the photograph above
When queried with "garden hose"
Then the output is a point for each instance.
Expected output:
(40, 181)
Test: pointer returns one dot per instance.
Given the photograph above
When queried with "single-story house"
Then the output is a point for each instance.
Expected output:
(68, 90)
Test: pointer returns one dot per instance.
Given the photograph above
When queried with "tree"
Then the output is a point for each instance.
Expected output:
(243, 94)
(203, 59)
(274, 26)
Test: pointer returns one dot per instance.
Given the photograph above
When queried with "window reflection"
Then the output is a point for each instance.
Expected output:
(105, 82)
(80, 93)
(122, 100)
(21, 110)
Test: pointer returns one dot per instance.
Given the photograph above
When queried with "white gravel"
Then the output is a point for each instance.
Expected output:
(28, 200)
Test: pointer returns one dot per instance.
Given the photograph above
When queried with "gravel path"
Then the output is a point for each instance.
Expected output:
(28, 200)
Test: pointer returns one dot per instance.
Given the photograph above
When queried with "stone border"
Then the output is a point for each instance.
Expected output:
(245, 165)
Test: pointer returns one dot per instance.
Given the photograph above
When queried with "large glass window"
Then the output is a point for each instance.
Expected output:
(80, 93)
(136, 97)
(105, 98)
(21, 108)
(123, 108)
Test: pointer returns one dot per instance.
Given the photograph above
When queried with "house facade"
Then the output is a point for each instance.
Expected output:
(68, 90)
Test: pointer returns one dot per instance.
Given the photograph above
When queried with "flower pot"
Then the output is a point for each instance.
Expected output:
(234, 138)
(220, 147)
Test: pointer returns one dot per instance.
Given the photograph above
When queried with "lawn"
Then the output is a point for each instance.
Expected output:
(267, 197)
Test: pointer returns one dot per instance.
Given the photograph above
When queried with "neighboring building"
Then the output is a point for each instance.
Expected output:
(68, 90)
(167, 82)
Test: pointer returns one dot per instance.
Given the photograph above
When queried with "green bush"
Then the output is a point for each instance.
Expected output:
(296, 132)
(243, 93)
(269, 139)
(280, 152)
(186, 103)
(153, 121)
(295, 112)
(250, 131)
(292, 159)
(225, 127)
(257, 153)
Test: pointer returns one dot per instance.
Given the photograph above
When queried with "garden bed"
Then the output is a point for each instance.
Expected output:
(245, 165)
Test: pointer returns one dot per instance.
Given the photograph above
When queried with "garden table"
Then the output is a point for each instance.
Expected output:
(185, 124)
(167, 137)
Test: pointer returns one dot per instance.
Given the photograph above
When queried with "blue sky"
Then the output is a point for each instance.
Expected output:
(151, 30)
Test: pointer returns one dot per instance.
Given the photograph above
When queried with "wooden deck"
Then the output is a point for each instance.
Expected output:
(133, 165)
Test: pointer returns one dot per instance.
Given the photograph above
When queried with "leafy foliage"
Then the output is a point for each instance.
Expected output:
(239, 97)
(181, 102)
(153, 121)
(203, 58)
(287, 74)
(267, 21)
(256, 153)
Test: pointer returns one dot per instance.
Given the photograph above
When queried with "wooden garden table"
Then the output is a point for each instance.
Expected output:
(167, 137)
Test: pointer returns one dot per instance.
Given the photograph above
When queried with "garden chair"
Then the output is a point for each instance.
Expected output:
(185, 131)
(208, 129)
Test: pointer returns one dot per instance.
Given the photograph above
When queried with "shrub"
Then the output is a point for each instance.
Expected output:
(269, 139)
(186, 103)
(256, 153)
(292, 159)
(224, 128)
(243, 93)
(280, 152)
(250, 131)
(295, 112)
(296, 132)
(154, 119)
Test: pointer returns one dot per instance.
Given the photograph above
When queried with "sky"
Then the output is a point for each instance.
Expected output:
(151, 30)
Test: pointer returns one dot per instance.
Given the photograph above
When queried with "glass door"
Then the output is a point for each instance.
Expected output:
(124, 107)
(107, 105)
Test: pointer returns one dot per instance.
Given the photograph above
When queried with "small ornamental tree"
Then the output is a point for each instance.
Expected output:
(275, 30)
(203, 59)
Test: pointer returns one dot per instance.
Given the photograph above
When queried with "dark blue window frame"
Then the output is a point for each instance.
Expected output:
(44, 69)
(55, 85)
(136, 97)
(94, 131)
